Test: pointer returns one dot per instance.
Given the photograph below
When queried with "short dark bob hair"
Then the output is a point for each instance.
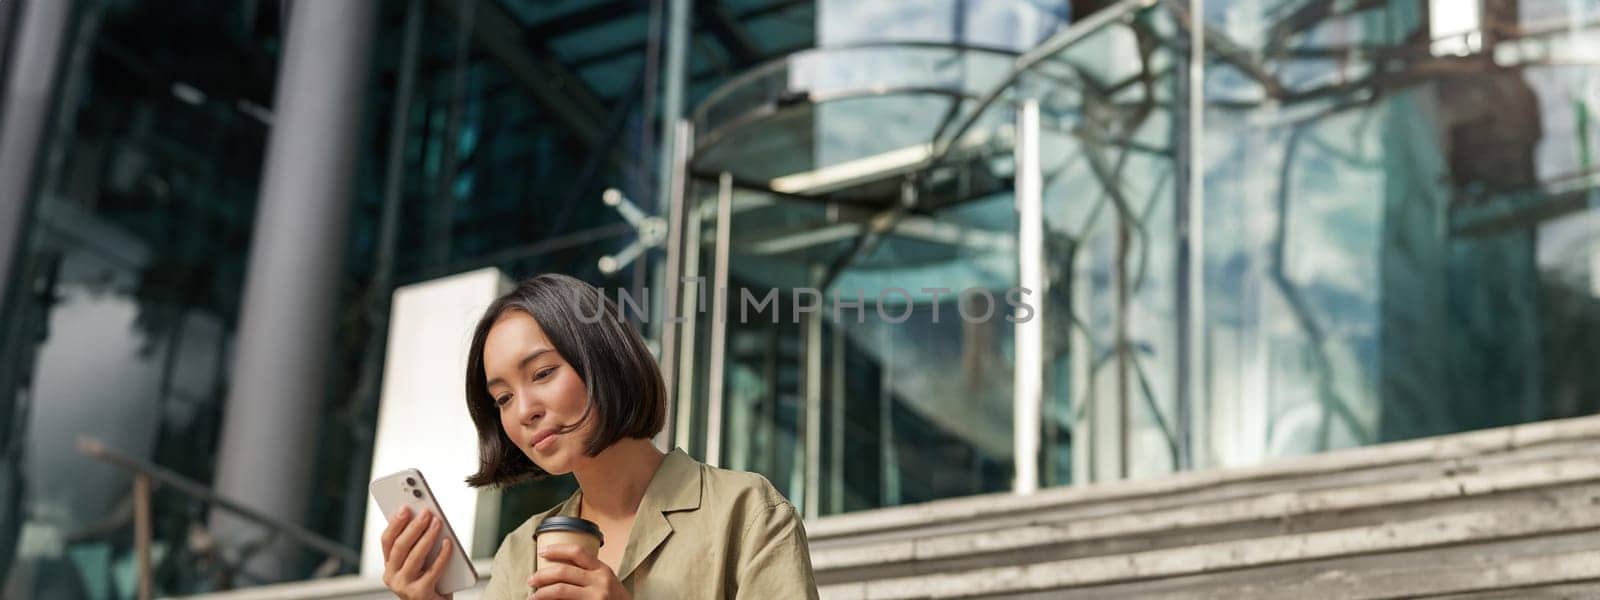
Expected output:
(627, 398)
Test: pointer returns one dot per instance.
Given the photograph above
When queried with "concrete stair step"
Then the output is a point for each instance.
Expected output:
(1218, 520)
(1574, 512)
(1225, 533)
(1504, 568)
(1372, 464)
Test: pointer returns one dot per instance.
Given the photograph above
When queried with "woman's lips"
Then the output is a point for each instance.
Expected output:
(544, 439)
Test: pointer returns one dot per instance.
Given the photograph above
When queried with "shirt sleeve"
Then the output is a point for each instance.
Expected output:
(776, 562)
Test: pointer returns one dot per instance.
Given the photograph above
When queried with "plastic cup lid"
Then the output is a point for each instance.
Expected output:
(577, 524)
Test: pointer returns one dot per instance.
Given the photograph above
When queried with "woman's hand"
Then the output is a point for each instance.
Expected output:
(405, 548)
(573, 573)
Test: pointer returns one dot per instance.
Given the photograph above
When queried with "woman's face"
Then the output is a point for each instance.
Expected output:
(537, 392)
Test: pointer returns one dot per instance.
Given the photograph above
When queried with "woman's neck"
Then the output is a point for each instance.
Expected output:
(614, 481)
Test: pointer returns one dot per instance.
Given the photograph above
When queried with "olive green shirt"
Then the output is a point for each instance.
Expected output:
(701, 532)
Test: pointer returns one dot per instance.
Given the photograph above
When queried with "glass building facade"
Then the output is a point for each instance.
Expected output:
(122, 299)
(1318, 225)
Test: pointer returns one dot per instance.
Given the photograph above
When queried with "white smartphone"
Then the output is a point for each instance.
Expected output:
(408, 488)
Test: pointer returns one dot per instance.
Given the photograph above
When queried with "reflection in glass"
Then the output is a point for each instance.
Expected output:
(128, 290)
(1389, 228)
(1390, 240)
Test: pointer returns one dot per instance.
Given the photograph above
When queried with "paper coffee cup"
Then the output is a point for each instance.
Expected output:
(566, 530)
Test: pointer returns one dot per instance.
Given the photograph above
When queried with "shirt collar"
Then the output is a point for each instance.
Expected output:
(676, 486)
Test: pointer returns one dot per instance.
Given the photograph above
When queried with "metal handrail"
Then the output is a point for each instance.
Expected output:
(778, 64)
(713, 136)
(146, 474)
(1069, 37)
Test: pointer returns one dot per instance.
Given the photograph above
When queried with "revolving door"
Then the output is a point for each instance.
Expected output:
(864, 300)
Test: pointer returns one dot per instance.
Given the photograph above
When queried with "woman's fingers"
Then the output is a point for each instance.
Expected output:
(435, 571)
(404, 542)
(559, 591)
(573, 555)
(419, 553)
(555, 573)
(393, 530)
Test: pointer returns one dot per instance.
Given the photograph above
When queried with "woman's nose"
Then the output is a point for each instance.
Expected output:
(528, 408)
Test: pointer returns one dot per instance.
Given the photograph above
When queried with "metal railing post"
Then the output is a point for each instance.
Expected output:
(719, 322)
(142, 533)
(152, 474)
(1029, 337)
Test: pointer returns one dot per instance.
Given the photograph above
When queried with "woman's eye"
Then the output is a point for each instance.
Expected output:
(501, 401)
(543, 374)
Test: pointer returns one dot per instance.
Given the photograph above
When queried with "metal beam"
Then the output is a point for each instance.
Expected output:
(811, 431)
(675, 61)
(1309, 15)
(579, 20)
(1525, 210)
(709, 73)
(1071, 36)
(744, 17)
(915, 227)
(676, 239)
(1192, 359)
(590, 171)
(441, 221)
(719, 323)
(836, 407)
(8, 17)
(689, 299)
(42, 33)
(729, 32)
(553, 85)
(701, 76)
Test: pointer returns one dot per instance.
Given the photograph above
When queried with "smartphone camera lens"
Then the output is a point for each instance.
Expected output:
(411, 481)
(417, 493)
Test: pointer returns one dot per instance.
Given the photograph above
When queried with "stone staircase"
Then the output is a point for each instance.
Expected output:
(1503, 513)
(1512, 511)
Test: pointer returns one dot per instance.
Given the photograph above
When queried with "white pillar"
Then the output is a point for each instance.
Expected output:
(1029, 335)
(275, 396)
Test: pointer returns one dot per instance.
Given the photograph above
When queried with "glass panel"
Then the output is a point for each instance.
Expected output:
(1111, 195)
(883, 368)
(1392, 241)
(127, 294)
(1400, 241)
(917, 389)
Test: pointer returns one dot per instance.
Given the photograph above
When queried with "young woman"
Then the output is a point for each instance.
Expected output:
(556, 384)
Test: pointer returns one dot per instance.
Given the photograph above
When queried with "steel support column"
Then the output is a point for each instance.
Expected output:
(42, 32)
(719, 322)
(274, 405)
